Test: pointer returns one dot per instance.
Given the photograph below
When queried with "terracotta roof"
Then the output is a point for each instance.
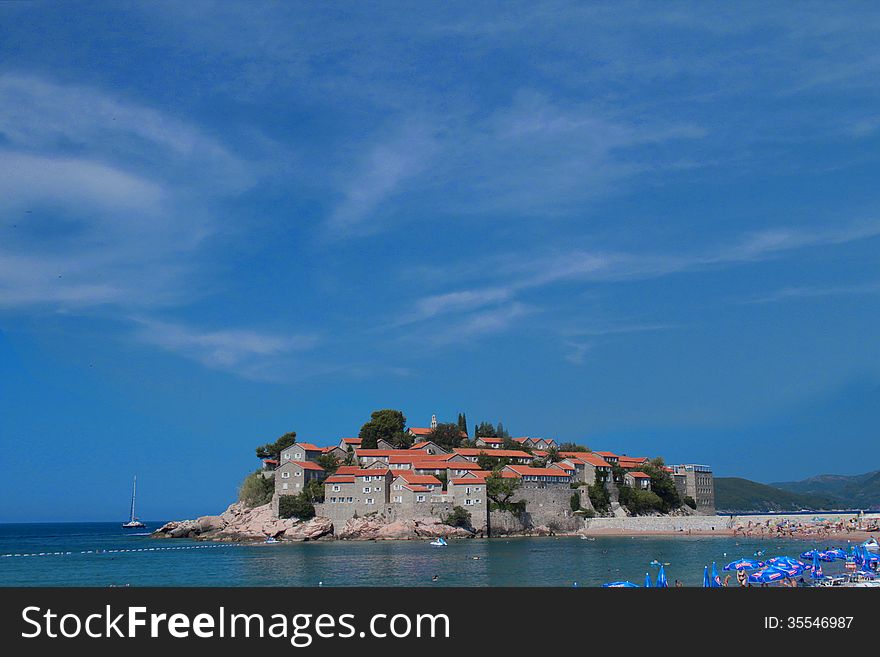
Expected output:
(271, 461)
(525, 470)
(594, 459)
(421, 457)
(352, 441)
(412, 478)
(309, 447)
(347, 469)
(308, 465)
(496, 453)
(639, 475)
(445, 465)
(424, 431)
(364, 452)
(607, 454)
(339, 479)
(489, 439)
(370, 472)
(418, 489)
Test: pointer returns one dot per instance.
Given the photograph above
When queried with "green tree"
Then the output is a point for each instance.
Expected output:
(572, 447)
(446, 435)
(462, 423)
(599, 497)
(510, 443)
(485, 430)
(386, 424)
(500, 491)
(458, 518)
(444, 479)
(553, 455)
(296, 506)
(273, 450)
(575, 502)
(256, 490)
(350, 457)
(500, 432)
(329, 462)
(639, 502)
(662, 485)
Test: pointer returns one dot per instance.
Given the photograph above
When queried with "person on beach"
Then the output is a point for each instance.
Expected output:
(741, 577)
(727, 581)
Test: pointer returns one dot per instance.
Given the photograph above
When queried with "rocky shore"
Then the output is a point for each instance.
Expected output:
(242, 524)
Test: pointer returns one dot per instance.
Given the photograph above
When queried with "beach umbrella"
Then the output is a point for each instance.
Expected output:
(661, 578)
(817, 568)
(716, 580)
(706, 584)
(836, 553)
(744, 564)
(785, 561)
(648, 580)
(767, 576)
(620, 585)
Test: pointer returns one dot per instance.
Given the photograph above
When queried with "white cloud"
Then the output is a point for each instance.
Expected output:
(104, 202)
(247, 353)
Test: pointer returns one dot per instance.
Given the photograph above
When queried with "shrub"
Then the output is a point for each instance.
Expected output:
(588, 513)
(458, 518)
(599, 497)
(575, 502)
(640, 502)
(256, 489)
(296, 506)
(691, 502)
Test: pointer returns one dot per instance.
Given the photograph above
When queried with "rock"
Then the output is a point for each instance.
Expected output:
(240, 523)
(375, 528)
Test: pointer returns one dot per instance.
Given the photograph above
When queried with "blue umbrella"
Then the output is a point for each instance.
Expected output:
(661, 578)
(648, 580)
(785, 561)
(744, 564)
(716, 580)
(817, 568)
(620, 585)
(836, 553)
(706, 584)
(767, 576)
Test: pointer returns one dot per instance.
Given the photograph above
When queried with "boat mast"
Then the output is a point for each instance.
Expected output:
(133, 492)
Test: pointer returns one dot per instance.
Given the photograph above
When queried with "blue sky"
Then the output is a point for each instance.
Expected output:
(647, 227)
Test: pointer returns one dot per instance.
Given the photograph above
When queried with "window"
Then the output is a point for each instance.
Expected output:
(285, 475)
(284, 486)
(368, 479)
(298, 474)
(420, 498)
(371, 500)
(468, 502)
(336, 489)
(398, 498)
(348, 499)
(367, 489)
(377, 489)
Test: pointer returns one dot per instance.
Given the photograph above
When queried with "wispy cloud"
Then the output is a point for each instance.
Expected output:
(104, 201)
(811, 292)
(247, 353)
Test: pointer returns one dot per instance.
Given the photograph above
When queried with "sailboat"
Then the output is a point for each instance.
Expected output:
(133, 522)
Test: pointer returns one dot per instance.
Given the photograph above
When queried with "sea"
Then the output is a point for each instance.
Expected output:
(103, 554)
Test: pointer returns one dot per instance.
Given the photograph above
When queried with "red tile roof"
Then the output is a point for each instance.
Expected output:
(418, 489)
(309, 447)
(352, 441)
(270, 461)
(424, 431)
(607, 454)
(490, 440)
(375, 472)
(412, 478)
(339, 479)
(347, 469)
(525, 470)
(496, 453)
(308, 465)
(593, 459)
(639, 475)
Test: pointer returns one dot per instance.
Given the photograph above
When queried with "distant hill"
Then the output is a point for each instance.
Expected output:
(850, 491)
(733, 494)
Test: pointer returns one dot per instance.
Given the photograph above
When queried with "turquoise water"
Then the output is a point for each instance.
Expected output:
(138, 560)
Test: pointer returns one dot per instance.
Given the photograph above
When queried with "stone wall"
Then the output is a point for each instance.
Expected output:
(659, 524)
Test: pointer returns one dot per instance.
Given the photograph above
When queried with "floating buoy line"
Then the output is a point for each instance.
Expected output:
(117, 550)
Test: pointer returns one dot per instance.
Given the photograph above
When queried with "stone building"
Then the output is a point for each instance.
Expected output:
(697, 482)
(301, 452)
(291, 477)
(638, 480)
